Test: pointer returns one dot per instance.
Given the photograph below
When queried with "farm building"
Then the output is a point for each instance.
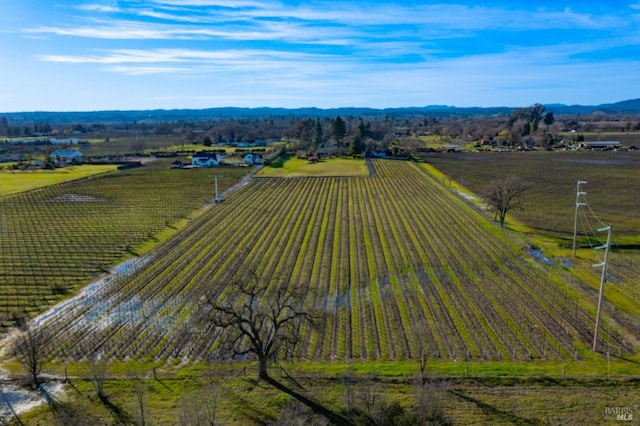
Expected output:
(252, 158)
(450, 147)
(381, 154)
(206, 159)
(66, 156)
(67, 141)
(600, 145)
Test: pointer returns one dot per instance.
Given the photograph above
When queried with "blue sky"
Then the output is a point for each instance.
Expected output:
(62, 55)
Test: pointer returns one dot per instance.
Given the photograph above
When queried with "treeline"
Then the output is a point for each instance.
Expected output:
(534, 126)
(352, 134)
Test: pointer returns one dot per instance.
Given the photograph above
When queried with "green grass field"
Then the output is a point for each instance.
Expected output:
(15, 181)
(175, 395)
(294, 167)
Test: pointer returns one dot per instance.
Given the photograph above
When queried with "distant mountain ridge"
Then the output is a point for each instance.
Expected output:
(631, 106)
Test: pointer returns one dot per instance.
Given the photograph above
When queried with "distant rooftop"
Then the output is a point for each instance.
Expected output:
(601, 143)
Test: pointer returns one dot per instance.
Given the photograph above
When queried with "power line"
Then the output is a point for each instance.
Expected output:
(586, 222)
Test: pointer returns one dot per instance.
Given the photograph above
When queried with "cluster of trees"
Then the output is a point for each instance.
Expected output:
(523, 126)
(355, 134)
(22, 131)
(45, 128)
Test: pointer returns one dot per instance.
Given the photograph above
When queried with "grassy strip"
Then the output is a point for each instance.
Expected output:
(334, 167)
(477, 399)
(15, 181)
(600, 366)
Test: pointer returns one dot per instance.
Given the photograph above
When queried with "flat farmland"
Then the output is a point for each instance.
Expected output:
(56, 239)
(548, 213)
(15, 181)
(395, 262)
(296, 167)
(613, 188)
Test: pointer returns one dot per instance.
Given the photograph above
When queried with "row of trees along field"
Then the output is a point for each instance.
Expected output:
(390, 267)
(534, 125)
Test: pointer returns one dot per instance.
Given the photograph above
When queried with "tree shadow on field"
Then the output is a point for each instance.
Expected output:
(496, 412)
(245, 409)
(121, 416)
(332, 417)
(52, 401)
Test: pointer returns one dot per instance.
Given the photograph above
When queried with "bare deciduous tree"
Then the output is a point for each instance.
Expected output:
(505, 195)
(295, 413)
(430, 405)
(199, 408)
(424, 352)
(31, 350)
(140, 389)
(96, 367)
(259, 321)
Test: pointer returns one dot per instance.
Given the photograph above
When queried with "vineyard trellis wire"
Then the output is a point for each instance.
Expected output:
(391, 259)
(56, 239)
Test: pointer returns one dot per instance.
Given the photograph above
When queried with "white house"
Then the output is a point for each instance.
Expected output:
(252, 158)
(206, 159)
(66, 156)
(68, 141)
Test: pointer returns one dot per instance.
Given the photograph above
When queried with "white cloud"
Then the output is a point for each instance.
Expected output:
(331, 53)
(256, 63)
(97, 8)
(121, 30)
(259, 31)
(334, 16)
(217, 3)
(202, 19)
(451, 16)
(138, 70)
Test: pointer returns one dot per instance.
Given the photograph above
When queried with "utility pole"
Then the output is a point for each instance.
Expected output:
(218, 198)
(575, 221)
(602, 281)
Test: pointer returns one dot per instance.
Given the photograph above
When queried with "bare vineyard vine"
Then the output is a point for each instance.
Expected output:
(394, 261)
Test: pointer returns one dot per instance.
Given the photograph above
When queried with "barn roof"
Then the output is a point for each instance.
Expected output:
(66, 153)
(601, 143)
(206, 155)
